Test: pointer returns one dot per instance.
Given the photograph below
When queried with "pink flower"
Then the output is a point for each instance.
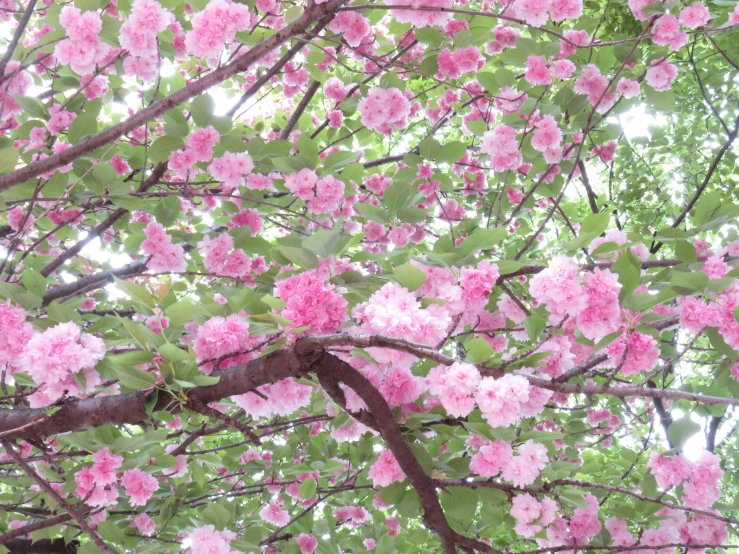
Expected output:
(696, 314)
(563, 69)
(202, 141)
(383, 109)
(537, 71)
(491, 458)
(534, 12)
(144, 524)
(602, 311)
(661, 75)
(670, 471)
(206, 540)
(641, 350)
(695, 15)
(231, 168)
(547, 134)
(302, 183)
(584, 523)
(120, 166)
(139, 486)
(308, 543)
(352, 27)
(400, 387)
(667, 32)
(311, 302)
(702, 490)
(369, 544)
(104, 466)
(500, 400)
(217, 24)
(628, 87)
(459, 62)
(272, 513)
(502, 147)
(523, 469)
(455, 387)
(165, 256)
(386, 471)
(559, 287)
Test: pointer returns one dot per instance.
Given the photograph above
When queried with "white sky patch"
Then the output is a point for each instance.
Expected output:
(637, 121)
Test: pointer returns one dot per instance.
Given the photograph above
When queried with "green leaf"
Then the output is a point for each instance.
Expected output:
(171, 352)
(685, 251)
(483, 239)
(167, 210)
(201, 109)
(687, 283)
(534, 325)
(478, 350)
(628, 268)
(8, 159)
(217, 515)
(409, 276)
(134, 379)
(138, 293)
(681, 430)
(82, 127)
(162, 147)
(459, 503)
(596, 224)
(34, 282)
(308, 488)
(451, 152)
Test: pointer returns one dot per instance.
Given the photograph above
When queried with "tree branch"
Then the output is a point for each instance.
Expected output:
(16, 37)
(241, 64)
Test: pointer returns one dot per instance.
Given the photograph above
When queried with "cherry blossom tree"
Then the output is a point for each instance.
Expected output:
(333, 277)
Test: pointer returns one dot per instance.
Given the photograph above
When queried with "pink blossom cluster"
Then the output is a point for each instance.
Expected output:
(633, 352)
(536, 12)
(382, 109)
(54, 357)
(531, 515)
(139, 485)
(231, 169)
(502, 147)
(311, 302)
(422, 18)
(281, 398)
(703, 476)
(221, 258)
(273, 513)
(322, 195)
(352, 27)
(216, 25)
(198, 148)
(15, 332)
(355, 515)
(219, 337)
(206, 540)
(386, 470)
(97, 484)
(138, 34)
(455, 386)
(521, 469)
(477, 284)
(461, 61)
(82, 50)
(165, 256)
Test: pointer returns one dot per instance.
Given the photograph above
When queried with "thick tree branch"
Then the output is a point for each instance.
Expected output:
(422, 483)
